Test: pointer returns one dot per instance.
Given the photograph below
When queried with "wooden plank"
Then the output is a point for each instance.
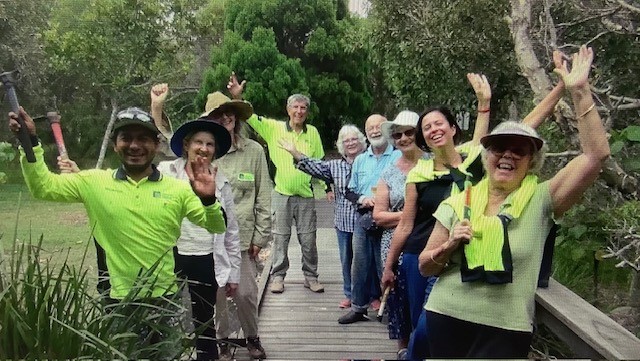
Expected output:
(586, 329)
(299, 324)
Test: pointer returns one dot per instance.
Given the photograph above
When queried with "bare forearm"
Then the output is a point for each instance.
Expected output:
(591, 131)
(545, 108)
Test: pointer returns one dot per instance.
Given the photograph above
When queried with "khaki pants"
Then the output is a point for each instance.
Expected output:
(287, 211)
(246, 300)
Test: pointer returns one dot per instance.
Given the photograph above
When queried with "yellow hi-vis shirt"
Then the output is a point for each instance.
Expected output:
(136, 223)
(289, 181)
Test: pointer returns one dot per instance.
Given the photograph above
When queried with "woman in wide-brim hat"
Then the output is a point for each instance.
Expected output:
(194, 140)
(246, 167)
(488, 256)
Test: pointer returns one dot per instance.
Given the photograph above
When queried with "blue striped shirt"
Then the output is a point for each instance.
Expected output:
(338, 172)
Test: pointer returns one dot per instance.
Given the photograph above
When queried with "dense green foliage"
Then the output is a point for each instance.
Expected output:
(282, 47)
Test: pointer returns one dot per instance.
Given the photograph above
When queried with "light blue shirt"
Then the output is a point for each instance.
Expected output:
(367, 168)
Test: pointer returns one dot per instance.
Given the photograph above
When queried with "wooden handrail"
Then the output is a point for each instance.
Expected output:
(585, 329)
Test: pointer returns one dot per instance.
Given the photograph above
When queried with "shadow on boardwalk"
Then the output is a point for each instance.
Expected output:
(301, 325)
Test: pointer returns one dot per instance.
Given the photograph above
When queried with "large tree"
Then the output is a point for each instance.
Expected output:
(105, 55)
(424, 49)
(313, 55)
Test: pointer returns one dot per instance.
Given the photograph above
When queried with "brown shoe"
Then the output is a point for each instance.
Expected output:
(225, 352)
(314, 285)
(255, 348)
(277, 286)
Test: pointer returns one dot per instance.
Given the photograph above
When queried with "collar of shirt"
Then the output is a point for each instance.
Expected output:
(289, 129)
(387, 150)
(121, 174)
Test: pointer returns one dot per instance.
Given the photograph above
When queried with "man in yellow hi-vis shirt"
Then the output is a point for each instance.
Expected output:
(292, 198)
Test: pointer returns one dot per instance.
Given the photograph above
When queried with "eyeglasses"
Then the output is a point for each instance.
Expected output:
(518, 150)
(134, 114)
(409, 133)
(350, 140)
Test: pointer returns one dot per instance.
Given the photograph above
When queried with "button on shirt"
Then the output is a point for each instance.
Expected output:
(289, 180)
(367, 168)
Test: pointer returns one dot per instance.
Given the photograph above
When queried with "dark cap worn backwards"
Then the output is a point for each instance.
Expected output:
(134, 116)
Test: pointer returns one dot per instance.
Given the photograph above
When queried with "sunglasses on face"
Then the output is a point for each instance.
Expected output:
(409, 133)
(518, 150)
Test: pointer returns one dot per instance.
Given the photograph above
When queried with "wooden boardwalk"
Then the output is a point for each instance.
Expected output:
(301, 325)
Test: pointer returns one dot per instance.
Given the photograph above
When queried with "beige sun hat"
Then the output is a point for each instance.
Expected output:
(404, 119)
(218, 102)
(511, 129)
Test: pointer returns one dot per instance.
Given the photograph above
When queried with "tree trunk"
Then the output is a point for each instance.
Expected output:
(634, 290)
(540, 82)
(107, 133)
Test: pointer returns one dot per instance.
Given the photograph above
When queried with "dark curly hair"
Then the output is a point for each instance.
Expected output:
(420, 141)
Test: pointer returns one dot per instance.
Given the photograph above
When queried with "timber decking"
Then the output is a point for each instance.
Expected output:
(301, 325)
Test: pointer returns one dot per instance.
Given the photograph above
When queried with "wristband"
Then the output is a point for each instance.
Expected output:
(593, 105)
(434, 260)
(484, 110)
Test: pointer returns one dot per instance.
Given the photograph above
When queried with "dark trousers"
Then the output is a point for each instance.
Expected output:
(450, 337)
(199, 272)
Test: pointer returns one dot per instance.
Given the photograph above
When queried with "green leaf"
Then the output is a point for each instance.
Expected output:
(616, 147)
(577, 254)
(633, 133)
(632, 165)
(577, 231)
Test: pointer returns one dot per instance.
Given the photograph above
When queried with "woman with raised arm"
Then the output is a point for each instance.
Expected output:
(487, 243)
(428, 183)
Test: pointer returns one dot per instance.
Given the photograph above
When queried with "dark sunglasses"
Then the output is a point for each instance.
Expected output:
(519, 150)
(409, 133)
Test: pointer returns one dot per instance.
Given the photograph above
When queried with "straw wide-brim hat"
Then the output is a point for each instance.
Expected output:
(218, 103)
(221, 135)
(404, 119)
(512, 130)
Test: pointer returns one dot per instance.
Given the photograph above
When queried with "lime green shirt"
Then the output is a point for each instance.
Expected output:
(289, 181)
(508, 306)
(136, 223)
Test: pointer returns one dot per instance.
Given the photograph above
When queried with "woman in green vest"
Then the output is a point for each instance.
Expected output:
(487, 243)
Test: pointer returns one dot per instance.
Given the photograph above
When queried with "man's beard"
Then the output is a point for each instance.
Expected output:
(378, 142)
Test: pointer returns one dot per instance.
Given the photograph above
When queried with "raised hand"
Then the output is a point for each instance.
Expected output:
(287, 145)
(578, 76)
(202, 176)
(481, 86)
(66, 165)
(14, 126)
(159, 93)
(235, 88)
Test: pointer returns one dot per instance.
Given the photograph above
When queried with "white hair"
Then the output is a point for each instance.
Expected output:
(346, 130)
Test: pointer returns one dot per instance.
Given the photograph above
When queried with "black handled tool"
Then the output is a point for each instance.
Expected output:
(8, 81)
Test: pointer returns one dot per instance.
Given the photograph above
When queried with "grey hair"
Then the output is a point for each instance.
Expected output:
(537, 158)
(298, 98)
(349, 129)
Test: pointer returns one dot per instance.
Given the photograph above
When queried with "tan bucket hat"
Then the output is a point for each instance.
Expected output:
(218, 102)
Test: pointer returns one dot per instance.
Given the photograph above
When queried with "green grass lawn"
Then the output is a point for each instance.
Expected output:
(63, 226)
